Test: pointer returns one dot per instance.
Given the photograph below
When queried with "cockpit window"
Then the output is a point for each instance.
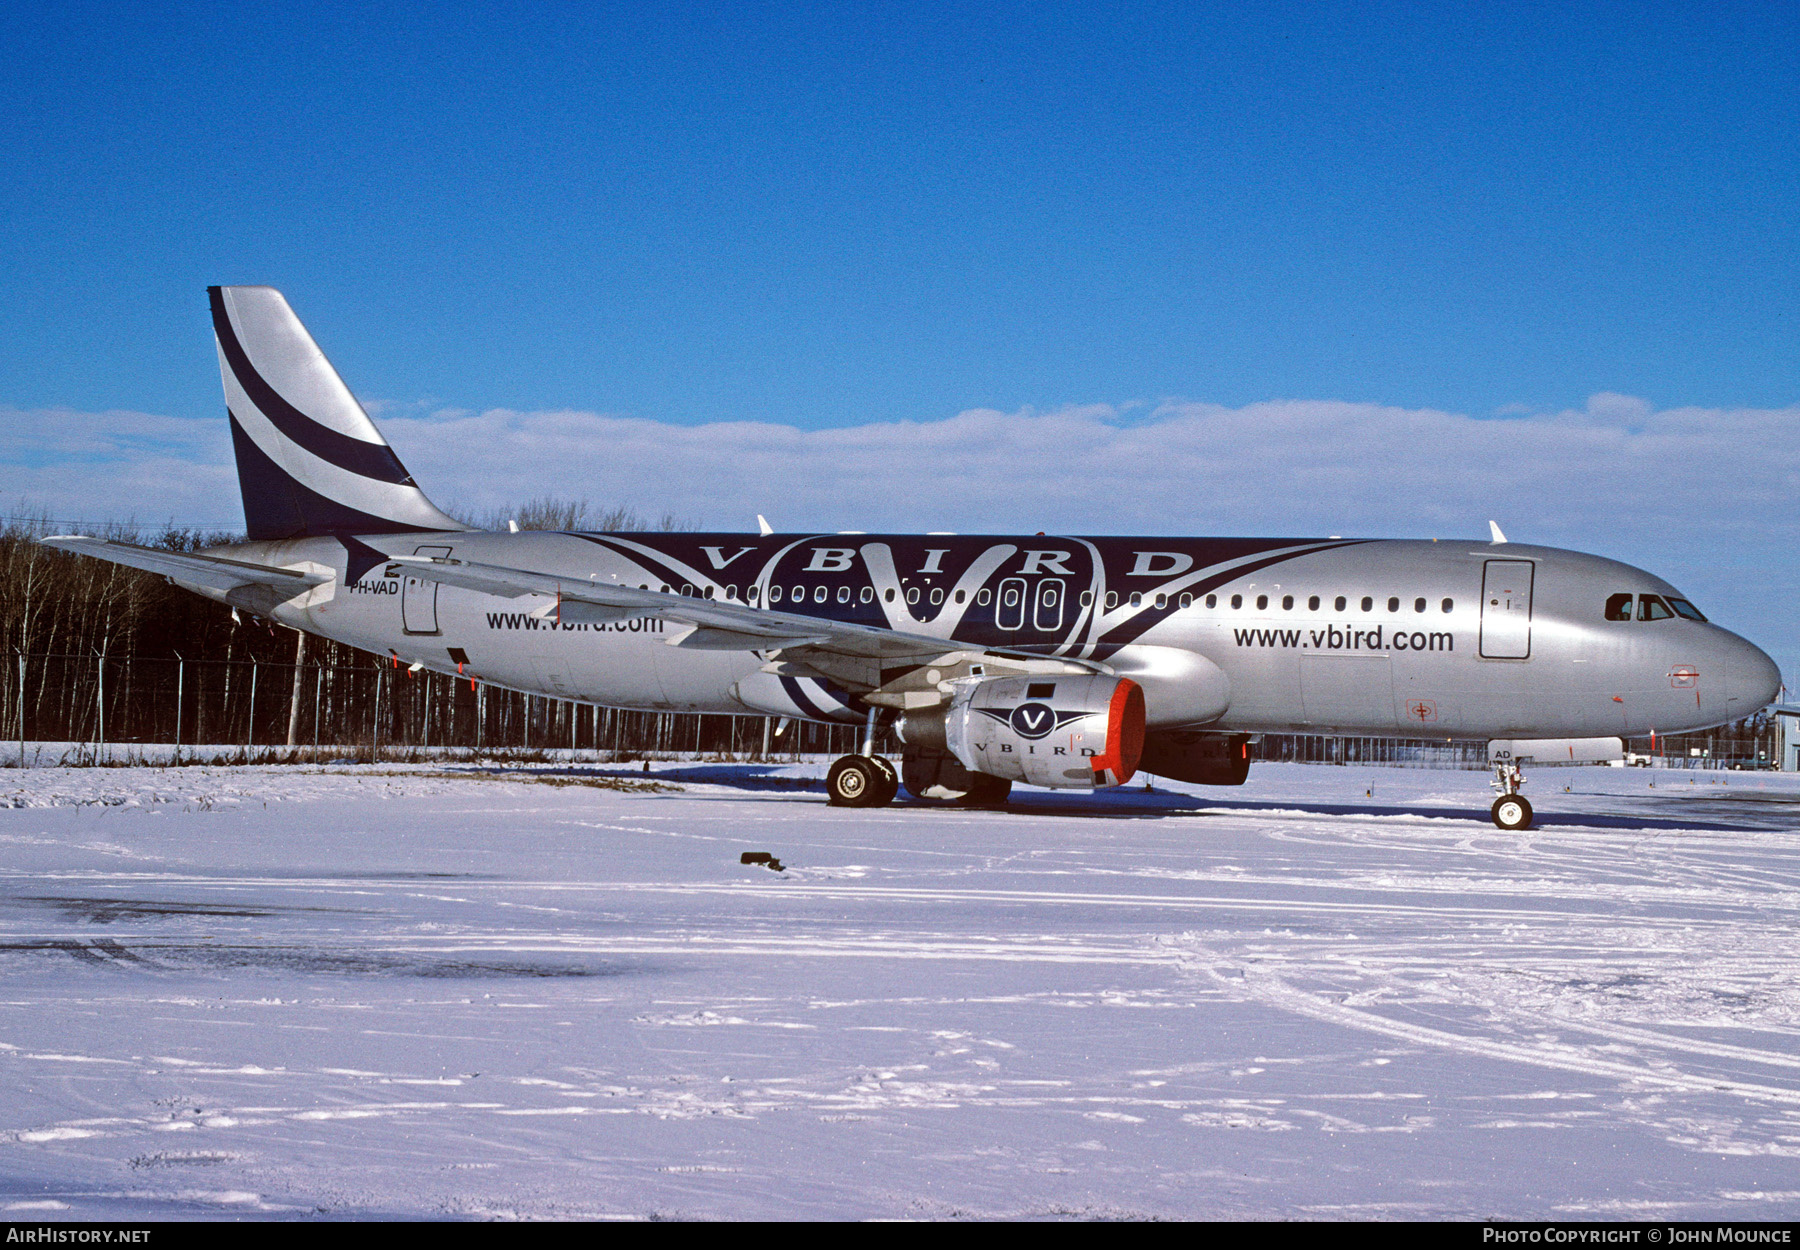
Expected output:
(1652, 608)
(1618, 607)
(1685, 609)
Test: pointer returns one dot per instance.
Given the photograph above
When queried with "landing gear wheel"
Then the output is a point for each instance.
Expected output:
(1512, 812)
(858, 781)
(986, 791)
(890, 781)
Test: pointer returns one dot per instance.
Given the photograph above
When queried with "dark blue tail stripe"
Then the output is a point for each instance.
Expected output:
(370, 460)
(277, 506)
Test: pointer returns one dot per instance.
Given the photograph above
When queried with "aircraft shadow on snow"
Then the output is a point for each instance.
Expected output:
(1135, 803)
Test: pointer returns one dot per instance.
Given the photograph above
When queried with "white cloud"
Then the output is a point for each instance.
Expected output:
(1707, 497)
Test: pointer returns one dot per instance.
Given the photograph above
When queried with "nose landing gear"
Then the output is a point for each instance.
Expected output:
(1511, 811)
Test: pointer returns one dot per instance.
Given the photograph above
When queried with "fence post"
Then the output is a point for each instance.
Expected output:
(294, 698)
(180, 691)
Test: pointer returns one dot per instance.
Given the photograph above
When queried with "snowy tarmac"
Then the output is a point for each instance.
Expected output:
(438, 992)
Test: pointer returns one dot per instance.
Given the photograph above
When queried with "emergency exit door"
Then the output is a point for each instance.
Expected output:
(1506, 609)
(418, 599)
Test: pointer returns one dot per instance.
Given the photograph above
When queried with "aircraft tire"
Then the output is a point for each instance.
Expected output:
(890, 781)
(1512, 812)
(854, 781)
(986, 791)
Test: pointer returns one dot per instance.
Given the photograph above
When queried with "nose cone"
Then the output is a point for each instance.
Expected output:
(1752, 681)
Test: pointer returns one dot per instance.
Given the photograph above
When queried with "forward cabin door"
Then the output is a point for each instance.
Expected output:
(1506, 609)
(418, 598)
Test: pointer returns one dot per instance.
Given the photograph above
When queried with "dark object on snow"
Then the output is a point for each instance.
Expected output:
(760, 857)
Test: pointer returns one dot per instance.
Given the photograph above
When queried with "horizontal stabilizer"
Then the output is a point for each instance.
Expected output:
(195, 570)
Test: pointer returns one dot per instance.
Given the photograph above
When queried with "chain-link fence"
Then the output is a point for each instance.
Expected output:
(87, 709)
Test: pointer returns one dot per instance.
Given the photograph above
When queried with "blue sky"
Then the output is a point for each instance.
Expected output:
(539, 240)
(821, 215)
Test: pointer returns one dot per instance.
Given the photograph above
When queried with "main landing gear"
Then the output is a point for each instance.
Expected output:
(861, 781)
(1511, 810)
(864, 780)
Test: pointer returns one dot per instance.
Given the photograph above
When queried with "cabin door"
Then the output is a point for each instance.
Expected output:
(1506, 609)
(418, 598)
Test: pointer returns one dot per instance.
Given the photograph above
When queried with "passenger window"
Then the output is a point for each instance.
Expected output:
(774, 594)
(1162, 601)
(867, 595)
(912, 594)
(750, 594)
(798, 594)
(843, 595)
(937, 595)
(820, 594)
(1312, 604)
(731, 593)
(1287, 603)
(1187, 601)
(1685, 609)
(1394, 603)
(888, 595)
(1237, 601)
(1368, 604)
(1418, 605)
(1618, 607)
(982, 597)
(1652, 608)
(1212, 601)
(687, 589)
(1112, 600)
(1087, 598)
(1340, 603)
(709, 591)
(1262, 603)
(961, 595)
(1137, 599)
(1449, 605)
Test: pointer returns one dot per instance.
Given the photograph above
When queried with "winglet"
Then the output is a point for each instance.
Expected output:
(1494, 528)
(763, 525)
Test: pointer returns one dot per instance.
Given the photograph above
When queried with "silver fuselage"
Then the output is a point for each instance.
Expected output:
(1431, 638)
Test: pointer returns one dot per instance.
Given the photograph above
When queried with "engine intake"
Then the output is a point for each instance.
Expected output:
(1061, 732)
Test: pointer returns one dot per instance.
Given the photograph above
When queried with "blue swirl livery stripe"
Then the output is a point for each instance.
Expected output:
(811, 707)
(375, 461)
(1129, 631)
(276, 506)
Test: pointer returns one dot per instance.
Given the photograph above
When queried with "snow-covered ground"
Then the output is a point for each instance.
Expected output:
(1333, 992)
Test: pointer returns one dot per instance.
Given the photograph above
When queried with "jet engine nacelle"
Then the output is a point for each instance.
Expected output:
(1062, 732)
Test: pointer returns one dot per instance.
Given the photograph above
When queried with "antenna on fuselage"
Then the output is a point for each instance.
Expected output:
(763, 526)
(1494, 528)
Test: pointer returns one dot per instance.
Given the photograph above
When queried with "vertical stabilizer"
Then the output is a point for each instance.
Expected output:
(310, 461)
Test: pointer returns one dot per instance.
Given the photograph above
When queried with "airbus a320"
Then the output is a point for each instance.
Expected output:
(1048, 660)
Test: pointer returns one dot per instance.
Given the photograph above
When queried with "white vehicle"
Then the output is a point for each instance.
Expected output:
(1055, 661)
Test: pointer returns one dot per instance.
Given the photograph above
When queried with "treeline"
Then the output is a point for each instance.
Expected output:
(96, 655)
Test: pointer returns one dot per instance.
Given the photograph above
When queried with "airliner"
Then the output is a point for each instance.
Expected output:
(1048, 660)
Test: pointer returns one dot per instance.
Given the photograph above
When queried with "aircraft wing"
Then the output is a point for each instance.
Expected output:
(197, 570)
(723, 625)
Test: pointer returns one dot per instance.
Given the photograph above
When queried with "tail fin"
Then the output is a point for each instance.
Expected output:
(310, 461)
